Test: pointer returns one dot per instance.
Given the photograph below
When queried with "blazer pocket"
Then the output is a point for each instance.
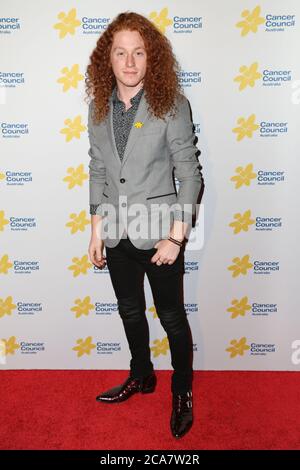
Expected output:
(168, 198)
(109, 196)
(161, 195)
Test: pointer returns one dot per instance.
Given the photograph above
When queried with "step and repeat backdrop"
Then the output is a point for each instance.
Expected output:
(240, 71)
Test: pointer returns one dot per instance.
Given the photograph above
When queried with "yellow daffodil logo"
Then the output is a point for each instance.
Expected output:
(78, 222)
(6, 306)
(70, 77)
(2, 350)
(84, 346)
(8, 346)
(82, 307)
(138, 124)
(76, 176)
(153, 311)
(160, 347)
(239, 307)
(244, 176)
(80, 266)
(240, 266)
(74, 128)
(246, 127)
(238, 347)
(242, 222)
(251, 21)
(248, 76)
(68, 23)
(5, 264)
(161, 20)
(2, 176)
(3, 221)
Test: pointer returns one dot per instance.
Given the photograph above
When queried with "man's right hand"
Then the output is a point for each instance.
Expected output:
(96, 247)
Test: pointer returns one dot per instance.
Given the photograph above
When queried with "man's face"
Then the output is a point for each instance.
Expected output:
(128, 57)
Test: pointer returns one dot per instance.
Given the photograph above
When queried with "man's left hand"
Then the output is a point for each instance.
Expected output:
(167, 252)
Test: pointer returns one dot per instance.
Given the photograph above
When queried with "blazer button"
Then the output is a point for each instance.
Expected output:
(122, 180)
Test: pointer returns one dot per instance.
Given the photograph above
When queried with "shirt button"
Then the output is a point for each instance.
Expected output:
(122, 180)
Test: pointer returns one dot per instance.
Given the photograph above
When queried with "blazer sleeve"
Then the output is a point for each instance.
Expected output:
(97, 170)
(187, 169)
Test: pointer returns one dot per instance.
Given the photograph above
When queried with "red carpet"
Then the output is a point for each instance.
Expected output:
(232, 410)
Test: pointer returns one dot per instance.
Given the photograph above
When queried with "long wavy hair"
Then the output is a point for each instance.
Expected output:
(161, 84)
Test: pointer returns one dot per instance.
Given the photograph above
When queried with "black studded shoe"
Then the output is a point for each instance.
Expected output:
(182, 413)
(129, 387)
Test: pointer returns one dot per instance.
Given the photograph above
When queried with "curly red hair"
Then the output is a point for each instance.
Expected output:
(161, 84)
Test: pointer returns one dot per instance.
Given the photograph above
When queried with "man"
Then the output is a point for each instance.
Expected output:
(134, 149)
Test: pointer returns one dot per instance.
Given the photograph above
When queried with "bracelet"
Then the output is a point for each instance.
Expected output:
(177, 242)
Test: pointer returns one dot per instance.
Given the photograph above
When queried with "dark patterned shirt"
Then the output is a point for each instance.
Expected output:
(122, 123)
(123, 120)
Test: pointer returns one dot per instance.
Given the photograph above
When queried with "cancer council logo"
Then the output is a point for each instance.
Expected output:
(246, 127)
(67, 24)
(84, 346)
(82, 307)
(248, 76)
(5, 264)
(243, 176)
(73, 129)
(77, 222)
(6, 306)
(3, 221)
(161, 19)
(239, 307)
(160, 346)
(241, 222)
(80, 265)
(8, 346)
(70, 77)
(250, 22)
(238, 347)
(240, 265)
(76, 176)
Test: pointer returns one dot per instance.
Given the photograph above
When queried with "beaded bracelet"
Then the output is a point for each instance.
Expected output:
(177, 242)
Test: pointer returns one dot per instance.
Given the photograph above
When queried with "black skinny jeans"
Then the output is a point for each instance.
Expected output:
(127, 266)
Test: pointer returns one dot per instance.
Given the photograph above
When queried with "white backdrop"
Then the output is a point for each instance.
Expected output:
(240, 65)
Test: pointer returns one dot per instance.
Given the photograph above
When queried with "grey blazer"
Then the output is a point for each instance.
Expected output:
(130, 192)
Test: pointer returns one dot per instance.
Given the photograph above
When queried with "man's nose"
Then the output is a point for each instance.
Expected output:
(129, 60)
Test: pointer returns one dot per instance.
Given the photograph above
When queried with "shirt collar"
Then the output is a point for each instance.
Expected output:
(133, 100)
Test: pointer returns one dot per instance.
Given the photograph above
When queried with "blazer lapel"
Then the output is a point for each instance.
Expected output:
(141, 116)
